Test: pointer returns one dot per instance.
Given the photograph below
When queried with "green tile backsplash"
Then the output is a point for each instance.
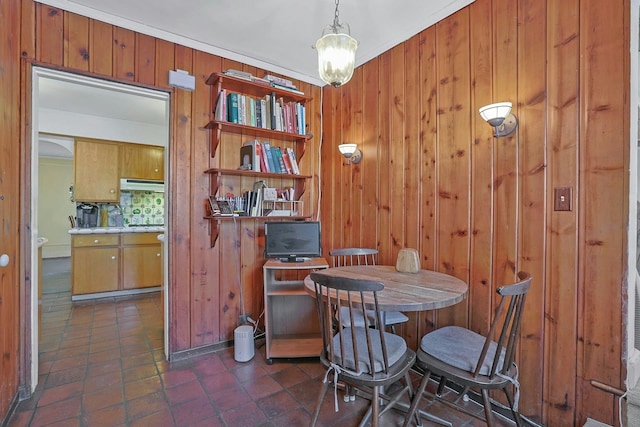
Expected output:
(142, 207)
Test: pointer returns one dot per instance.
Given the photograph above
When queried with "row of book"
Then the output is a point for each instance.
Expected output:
(263, 157)
(268, 112)
(267, 80)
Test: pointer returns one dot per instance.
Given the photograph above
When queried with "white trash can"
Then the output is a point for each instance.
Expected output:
(243, 343)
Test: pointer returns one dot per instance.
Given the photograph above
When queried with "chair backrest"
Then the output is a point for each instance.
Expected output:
(353, 256)
(512, 297)
(356, 349)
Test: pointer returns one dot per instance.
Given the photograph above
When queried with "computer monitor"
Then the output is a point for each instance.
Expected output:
(292, 241)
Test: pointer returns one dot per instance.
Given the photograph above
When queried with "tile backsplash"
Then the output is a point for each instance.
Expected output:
(142, 207)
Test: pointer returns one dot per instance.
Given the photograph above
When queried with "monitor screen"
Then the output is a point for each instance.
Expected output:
(292, 241)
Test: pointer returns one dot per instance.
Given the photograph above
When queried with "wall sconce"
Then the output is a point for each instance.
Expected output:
(351, 153)
(499, 116)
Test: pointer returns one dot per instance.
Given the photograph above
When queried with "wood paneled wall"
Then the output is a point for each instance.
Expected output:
(203, 283)
(434, 178)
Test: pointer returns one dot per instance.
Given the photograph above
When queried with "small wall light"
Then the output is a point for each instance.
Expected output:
(499, 116)
(351, 153)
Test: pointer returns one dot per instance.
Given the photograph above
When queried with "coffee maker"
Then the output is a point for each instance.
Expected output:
(87, 215)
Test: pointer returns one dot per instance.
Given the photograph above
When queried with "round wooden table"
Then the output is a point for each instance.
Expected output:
(424, 290)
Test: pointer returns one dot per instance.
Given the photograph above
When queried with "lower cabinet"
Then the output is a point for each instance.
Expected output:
(114, 262)
(141, 261)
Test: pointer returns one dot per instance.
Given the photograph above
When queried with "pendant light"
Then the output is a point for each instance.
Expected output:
(336, 52)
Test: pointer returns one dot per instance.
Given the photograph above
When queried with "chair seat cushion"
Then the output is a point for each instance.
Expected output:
(461, 348)
(390, 317)
(396, 348)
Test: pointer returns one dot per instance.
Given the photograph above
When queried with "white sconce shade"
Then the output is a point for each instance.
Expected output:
(351, 153)
(499, 116)
(336, 52)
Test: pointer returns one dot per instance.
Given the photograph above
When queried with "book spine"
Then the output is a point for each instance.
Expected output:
(294, 161)
(221, 112)
(270, 158)
(232, 103)
(257, 156)
(274, 113)
(287, 160)
(281, 165)
(264, 162)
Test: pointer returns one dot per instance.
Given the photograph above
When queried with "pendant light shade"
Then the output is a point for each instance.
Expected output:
(336, 53)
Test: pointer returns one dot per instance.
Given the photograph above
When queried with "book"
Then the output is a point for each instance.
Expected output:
(286, 160)
(273, 165)
(279, 80)
(221, 106)
(272, 110)
(294, 161)
(278, 152)
(264, 162)
(287, 88)
(232, 108)
(237, 73)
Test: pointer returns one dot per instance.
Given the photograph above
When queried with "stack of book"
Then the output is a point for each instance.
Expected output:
(263, 157)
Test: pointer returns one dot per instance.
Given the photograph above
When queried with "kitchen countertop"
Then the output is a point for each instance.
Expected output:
(117, 230)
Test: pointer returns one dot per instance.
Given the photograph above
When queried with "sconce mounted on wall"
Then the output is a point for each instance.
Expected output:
(351, 153)
(500, 117)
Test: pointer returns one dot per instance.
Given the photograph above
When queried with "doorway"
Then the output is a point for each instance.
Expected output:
(66, 106)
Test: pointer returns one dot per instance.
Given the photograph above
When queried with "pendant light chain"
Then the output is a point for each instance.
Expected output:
(336, 22)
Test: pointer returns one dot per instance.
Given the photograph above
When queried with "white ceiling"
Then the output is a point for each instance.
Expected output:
(276, 35)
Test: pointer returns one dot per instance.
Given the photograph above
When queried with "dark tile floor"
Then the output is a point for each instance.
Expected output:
(102, 364)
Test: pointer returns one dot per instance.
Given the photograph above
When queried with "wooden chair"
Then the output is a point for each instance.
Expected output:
(361, 356)
(364, 256)
(473, 361)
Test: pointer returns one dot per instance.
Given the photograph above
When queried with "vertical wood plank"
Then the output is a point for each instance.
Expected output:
(428, 180)
(481, 292)
(28, 29)
(101, 48)
(123, 53)
(602, 156)
(454, 156)
(10, 175)
(384, 165)
(49, 32)
(397, 100)
(532, 205)
(369, 149)
(76, 41)
(560, 330)
(145, 59)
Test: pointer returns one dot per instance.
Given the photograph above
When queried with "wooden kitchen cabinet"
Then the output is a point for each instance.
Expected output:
(142, 162)
(141, 261)
(95, 260)
(96, 171)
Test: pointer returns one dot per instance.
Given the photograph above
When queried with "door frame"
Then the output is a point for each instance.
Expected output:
(30, 322)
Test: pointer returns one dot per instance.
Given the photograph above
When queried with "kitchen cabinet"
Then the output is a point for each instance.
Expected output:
(142, 162)
(96, 171)
(95, 263)
(115, 262)
(141, 261)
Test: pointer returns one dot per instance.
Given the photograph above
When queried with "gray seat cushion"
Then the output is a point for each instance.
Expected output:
(391, 317)
(461, 348)
(396, 348)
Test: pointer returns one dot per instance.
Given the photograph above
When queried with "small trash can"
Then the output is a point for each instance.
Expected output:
(243, 343)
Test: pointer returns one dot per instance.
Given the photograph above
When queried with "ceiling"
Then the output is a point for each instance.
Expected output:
(276, 35)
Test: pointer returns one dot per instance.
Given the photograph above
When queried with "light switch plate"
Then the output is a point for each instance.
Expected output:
(563, 199)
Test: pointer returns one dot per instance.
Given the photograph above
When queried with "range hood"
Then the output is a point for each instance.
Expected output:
(129, 184)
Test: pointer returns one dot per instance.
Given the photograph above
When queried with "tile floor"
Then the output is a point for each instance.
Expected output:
(102, 364)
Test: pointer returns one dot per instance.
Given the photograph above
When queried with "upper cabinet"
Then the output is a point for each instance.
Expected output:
(96, 171)
(142, 162)
(99, 165)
